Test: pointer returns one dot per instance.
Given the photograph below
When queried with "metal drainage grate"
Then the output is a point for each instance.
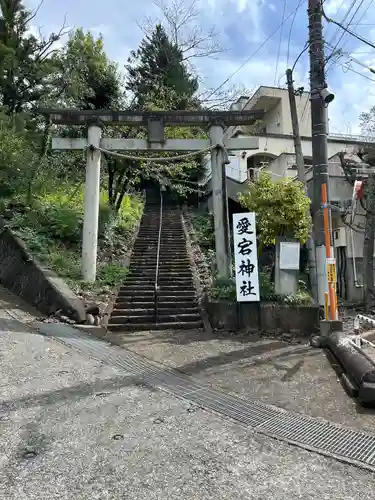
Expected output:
(326, 438)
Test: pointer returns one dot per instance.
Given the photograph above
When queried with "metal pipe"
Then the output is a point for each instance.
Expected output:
(356, 284)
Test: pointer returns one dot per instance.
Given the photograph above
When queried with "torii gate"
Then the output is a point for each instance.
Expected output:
(217, 121)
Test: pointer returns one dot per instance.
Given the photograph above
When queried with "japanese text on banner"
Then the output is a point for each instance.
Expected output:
(245, 257)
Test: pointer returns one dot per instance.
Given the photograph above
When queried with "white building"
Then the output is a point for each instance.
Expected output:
(276, 156)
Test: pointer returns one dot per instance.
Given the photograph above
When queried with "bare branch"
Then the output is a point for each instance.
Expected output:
(181, 23)
(44, 45)
(34, 12)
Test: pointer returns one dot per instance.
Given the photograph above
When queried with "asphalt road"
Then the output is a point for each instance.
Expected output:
(71, 428)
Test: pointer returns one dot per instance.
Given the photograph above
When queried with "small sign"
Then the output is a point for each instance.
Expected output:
(245, 257)
(331, 270)
(289, 255)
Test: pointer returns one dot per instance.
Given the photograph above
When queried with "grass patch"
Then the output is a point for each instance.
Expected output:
(52, 231)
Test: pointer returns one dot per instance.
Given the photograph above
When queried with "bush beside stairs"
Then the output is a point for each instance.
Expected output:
(178, 304)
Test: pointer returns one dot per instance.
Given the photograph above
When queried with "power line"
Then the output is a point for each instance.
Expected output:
(360, 19)
(344, 33)
(290, 33)
(355, 24)
(358, 37)
(343, 20)
(280, 40)
(351, 58)
(255, 52)
(347, 68)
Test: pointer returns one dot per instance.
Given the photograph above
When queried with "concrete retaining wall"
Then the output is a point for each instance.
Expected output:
(27, 279)
(266, 316)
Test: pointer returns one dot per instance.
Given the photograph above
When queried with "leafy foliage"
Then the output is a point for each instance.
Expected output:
(281, 207)
(27, 70)
(225, 290)
(93, 81)
(52, 230)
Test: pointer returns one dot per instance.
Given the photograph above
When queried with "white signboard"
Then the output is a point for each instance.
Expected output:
(245, 257)
(289, 255)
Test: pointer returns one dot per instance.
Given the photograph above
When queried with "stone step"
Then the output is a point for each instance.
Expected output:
(164, 272)
(152, 230)
(162, 282)
(170, 241)
(148, 246)
(162, 264)
(142, 286)
(163, 298)
(150, 275)
(167, 258)
(149, 311)
(142, 268)
(144, 327)
(149, 304)
(166, 251)
(150, 319)
(163, 275)
(174, 291)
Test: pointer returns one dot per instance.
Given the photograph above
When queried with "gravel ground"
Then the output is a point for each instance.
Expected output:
(73, 428)
(292, 375)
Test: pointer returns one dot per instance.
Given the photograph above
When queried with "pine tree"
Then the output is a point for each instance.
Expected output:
(156, 67)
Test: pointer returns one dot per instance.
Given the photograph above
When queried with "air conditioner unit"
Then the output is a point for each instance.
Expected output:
(339, 237)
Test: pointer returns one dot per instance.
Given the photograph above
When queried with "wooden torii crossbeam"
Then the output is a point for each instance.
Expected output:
(95, 120)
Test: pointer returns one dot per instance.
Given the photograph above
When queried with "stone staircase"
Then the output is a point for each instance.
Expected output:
(178, 308)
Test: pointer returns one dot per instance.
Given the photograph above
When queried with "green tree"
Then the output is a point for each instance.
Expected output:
(18, 161)
(93, 81)
(281, 208)
(158, 64)
(26, 65)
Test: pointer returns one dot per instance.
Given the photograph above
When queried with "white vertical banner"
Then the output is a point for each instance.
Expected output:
(246, 257)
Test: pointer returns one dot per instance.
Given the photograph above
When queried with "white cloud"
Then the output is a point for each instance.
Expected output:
(243, 25)
(333, 6)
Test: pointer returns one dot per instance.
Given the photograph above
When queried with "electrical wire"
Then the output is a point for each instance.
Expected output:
(290, 34)
(355, 35)
(337, 29)
(351, 58)
(344, 33)
(255, 52)
(343, 20)
(280, 40)
(359, 20)
(347, 68)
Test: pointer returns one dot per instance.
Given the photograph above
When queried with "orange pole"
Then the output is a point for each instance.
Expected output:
(327, 239)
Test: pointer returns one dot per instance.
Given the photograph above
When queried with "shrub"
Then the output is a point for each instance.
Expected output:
(224, 289)
(282, 208)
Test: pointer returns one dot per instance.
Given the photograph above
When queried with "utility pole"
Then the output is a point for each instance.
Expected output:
(219, 195)
(300, 161)
(320, 97)
(295, 127)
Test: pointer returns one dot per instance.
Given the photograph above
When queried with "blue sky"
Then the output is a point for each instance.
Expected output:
(242, 26)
